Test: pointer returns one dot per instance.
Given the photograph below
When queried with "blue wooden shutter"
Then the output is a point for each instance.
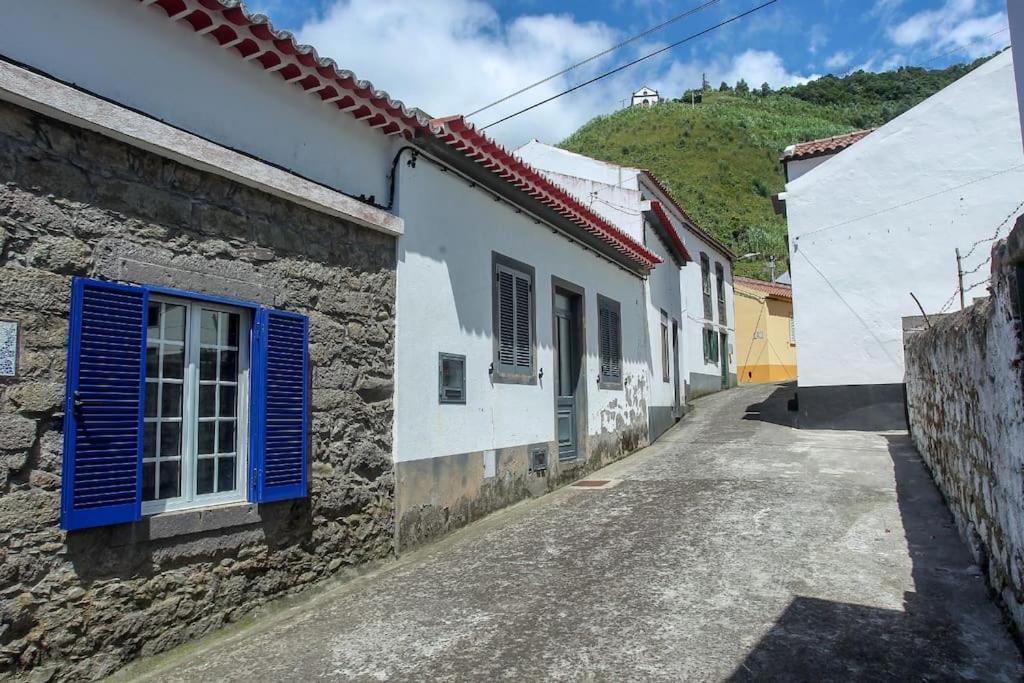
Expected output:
(279, 445)
(106, 374)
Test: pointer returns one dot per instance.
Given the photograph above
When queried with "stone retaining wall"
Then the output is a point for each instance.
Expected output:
(965, 398)
(80, 605)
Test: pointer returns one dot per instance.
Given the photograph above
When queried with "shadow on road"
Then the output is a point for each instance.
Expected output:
(941, 632)
(775, 408)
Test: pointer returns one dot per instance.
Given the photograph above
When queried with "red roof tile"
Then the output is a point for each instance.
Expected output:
(817, 148)
(707, 236)
(767, 289)
(461, 135)
(675, 243)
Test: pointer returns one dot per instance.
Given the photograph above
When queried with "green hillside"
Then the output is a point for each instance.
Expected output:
(720, 158)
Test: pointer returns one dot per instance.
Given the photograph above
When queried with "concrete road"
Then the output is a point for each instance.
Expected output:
(736, 548)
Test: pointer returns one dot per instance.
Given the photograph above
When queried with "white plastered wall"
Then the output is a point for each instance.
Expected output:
(134, 55)
(882, 220)
(444, 305)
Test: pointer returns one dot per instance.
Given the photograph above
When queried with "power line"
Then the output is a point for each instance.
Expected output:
(634, 62)
(591, 58)
(962, 48)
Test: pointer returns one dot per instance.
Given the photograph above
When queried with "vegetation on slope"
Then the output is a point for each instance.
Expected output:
(720, 157)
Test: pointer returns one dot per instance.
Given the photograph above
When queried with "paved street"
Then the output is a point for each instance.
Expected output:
(735, 548)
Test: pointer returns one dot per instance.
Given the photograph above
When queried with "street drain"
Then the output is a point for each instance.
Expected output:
(595, 483)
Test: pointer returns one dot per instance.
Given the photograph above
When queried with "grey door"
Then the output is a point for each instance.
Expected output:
(677, 408)
(567, 367)
(723, 357)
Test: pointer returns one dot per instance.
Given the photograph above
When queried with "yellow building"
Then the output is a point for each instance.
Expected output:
(765, 341)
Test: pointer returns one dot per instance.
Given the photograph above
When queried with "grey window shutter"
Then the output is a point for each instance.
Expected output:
(506, 319)
(523, 335)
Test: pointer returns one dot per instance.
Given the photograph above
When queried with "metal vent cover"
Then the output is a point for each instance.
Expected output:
(538, 459)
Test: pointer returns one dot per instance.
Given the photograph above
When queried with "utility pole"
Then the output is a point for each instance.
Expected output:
(771, 266)
(960, 277)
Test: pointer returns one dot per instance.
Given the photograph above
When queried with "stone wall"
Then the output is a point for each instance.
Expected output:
(965, 400)
(79, 605)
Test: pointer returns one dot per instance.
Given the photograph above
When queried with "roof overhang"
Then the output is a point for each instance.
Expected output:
(251, 37)
(62, 102)
(458, 144)
(666, 231)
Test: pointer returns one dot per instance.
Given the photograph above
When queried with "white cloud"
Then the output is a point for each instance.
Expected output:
(453, 56)
(818, 39)
(956, 25)
(839, 60)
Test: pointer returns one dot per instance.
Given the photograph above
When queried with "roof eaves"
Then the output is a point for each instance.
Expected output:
(253, 38)
(675, 243)
(704, 234)
(472, 143)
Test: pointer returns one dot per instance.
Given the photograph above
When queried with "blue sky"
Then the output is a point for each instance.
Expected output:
(452, 56)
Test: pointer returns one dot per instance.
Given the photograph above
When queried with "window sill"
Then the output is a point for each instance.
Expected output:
(610, 386)
(187, 522)
(497, 378)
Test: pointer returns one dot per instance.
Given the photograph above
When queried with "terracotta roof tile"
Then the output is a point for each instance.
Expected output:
(817, 148)
(767, 289)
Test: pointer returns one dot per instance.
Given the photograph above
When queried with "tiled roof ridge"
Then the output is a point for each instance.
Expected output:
(775, 289)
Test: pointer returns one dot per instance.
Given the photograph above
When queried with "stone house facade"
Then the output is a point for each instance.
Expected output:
(77, 204)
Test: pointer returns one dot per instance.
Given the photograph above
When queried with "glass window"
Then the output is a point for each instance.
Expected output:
(197, 369)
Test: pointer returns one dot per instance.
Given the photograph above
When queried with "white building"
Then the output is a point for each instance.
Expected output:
(693, 298)
(645, 97)
(1015, 12)
(881, 221)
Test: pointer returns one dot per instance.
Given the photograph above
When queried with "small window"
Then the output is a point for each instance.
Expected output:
(609, 333)
(451, 378)
(513, 312)
(705, 279)
(666, 353)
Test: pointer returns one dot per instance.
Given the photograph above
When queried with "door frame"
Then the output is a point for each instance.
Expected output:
(579, 295)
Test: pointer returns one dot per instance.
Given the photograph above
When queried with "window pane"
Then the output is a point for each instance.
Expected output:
(149, 481)
(226, 437)
(207, 434)
(225, 474)
(207, 400)
(151, 399)
(204, 476)
(170, 439)
(232, 329)
(170, 477)
(154, 321)
(227, 401)
(174, 324)
(228, 366)
(208, 327)
(153, 360)
(174, 362)
(207, 364)
(170, 400)
(149, 440)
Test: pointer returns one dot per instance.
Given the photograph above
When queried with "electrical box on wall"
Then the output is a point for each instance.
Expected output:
(538, 459)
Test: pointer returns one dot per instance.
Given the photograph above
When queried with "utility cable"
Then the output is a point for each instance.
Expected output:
(591, 58)
(625, 66)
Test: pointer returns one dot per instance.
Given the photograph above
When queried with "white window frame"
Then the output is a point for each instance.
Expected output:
(188, 498)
